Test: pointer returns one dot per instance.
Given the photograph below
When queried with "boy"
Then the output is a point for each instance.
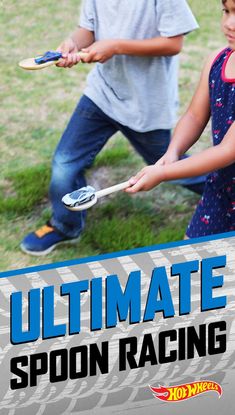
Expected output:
(132, 89)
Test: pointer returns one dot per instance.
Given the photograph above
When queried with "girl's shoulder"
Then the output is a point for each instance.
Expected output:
(213, 58)
(216, 55)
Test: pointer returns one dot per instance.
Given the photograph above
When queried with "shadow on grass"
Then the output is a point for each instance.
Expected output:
(127, 223)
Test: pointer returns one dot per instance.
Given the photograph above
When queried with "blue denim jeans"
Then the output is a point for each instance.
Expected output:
(87, 132)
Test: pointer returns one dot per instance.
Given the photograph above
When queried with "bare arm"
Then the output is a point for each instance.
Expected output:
(211, 159)
(157, 46)
(192, 123)
(80, 38)
(103, 50)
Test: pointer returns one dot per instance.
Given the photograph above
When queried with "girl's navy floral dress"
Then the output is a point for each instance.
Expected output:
(215, 212)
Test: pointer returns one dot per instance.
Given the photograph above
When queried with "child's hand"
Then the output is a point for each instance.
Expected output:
(151, 176)
(100, 51)
(146, 179)
(69, 50)
(168, 158)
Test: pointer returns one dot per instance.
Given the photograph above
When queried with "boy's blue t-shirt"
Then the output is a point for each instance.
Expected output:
(138, 92)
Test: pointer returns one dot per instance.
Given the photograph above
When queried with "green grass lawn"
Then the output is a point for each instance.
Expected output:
(35, 107)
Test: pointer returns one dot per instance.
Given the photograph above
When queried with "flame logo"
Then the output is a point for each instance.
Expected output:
(185, 391)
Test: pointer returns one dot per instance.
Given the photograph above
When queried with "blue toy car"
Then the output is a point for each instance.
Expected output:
(48, 56)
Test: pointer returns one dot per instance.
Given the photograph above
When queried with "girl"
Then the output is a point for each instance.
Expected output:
(215, 97)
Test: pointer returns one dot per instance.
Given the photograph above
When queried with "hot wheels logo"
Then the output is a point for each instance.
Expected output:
(186, 391)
